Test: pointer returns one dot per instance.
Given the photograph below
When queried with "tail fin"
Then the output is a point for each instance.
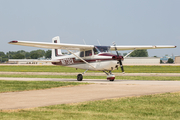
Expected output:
(56, 52)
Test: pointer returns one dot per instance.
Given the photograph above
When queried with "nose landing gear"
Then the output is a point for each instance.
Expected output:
(110, 76)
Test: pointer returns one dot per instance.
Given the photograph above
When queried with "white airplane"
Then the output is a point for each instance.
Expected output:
(89, 57)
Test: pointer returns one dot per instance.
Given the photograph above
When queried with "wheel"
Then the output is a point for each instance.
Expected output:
(111, 77)
(111, 80)
(79, 77)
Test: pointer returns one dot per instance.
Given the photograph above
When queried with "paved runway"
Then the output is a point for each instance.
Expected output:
(99, 81)
(102, 89)
(92, 74)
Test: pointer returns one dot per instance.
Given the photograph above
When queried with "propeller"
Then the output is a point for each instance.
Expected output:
(118, 58)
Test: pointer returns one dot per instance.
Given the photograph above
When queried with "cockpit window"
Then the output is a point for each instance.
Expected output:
(95, 51)
(82, 54)
(102, 48)
(88, 53)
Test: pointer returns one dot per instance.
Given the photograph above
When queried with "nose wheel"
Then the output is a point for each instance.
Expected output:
(110, 76)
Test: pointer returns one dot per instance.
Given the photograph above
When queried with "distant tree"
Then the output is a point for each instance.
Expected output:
(28, 55)
(10, 54)
(170, 60)
(2, 54)
(37, 54)
(21, 51)
(18, 56)
(34, 56)
(124, 54)
(161, 61)
(139, 53)
(120, 54)
(48, 54)
(41, 52)
(3, 57)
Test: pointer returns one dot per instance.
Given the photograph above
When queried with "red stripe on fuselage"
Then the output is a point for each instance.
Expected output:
(72, 61)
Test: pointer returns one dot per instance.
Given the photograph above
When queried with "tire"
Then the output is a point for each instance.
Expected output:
(111, 80)
(79, 77)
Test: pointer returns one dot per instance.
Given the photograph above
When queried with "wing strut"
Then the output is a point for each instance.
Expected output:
(129, 53)
(81, 59)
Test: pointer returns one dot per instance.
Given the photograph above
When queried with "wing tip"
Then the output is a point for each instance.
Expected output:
(13, 41)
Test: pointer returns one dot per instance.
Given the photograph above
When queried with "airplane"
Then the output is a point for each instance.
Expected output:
(88, 57)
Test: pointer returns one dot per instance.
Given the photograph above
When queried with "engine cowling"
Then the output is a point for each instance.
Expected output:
(117, 57)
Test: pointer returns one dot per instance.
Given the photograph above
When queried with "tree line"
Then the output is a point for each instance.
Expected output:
(21, 54)
(138, 53)
(35, 54)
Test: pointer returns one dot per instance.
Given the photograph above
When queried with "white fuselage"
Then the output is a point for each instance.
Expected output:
(100, 62)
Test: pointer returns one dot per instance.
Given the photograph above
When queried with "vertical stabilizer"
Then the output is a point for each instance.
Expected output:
(56, 52)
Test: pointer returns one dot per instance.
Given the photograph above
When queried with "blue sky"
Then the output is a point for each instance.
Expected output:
(127, 22)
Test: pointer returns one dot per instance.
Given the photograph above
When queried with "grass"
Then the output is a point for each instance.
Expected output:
(169, 78)
(150, 107)
(128, 69)
(153, 107)
(12, 86)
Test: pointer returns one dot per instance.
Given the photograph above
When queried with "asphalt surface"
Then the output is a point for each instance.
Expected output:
(102, 89)
(92, 74)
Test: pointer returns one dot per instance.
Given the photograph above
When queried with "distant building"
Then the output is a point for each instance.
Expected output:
(141, 60)
(128, 60)
(165, 58)
(177, 60)
(28, 61)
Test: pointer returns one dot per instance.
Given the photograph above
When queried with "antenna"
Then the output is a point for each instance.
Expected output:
(114, 43)
(84, 42)
(99, 42)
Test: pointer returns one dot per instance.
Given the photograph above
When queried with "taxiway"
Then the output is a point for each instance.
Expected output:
(101, 89)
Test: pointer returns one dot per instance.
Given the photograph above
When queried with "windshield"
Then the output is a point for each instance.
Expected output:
(102, 48)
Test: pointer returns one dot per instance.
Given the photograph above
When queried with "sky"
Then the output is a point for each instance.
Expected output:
(127, 22)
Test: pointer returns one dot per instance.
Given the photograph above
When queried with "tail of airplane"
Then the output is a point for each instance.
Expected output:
(56, 52)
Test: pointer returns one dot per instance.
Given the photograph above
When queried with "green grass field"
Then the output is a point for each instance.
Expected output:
(14, 86)
(128, 69)
(150, 107)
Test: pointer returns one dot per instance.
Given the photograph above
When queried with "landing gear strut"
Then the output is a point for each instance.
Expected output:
(80, 76)
(110, 76)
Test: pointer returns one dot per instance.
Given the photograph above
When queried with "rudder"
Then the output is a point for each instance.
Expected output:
(56, 52)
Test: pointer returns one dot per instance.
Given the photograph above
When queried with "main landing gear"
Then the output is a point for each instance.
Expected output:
(110, 76)
(80, 76)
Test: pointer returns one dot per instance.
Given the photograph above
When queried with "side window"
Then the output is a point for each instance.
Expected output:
(88, 53)
(82, 54)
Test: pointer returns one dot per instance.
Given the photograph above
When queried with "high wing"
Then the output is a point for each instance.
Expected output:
(141, 47)
(84, 47)
(53, 45)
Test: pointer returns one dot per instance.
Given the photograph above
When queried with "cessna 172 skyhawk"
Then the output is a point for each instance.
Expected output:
(89, 57)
